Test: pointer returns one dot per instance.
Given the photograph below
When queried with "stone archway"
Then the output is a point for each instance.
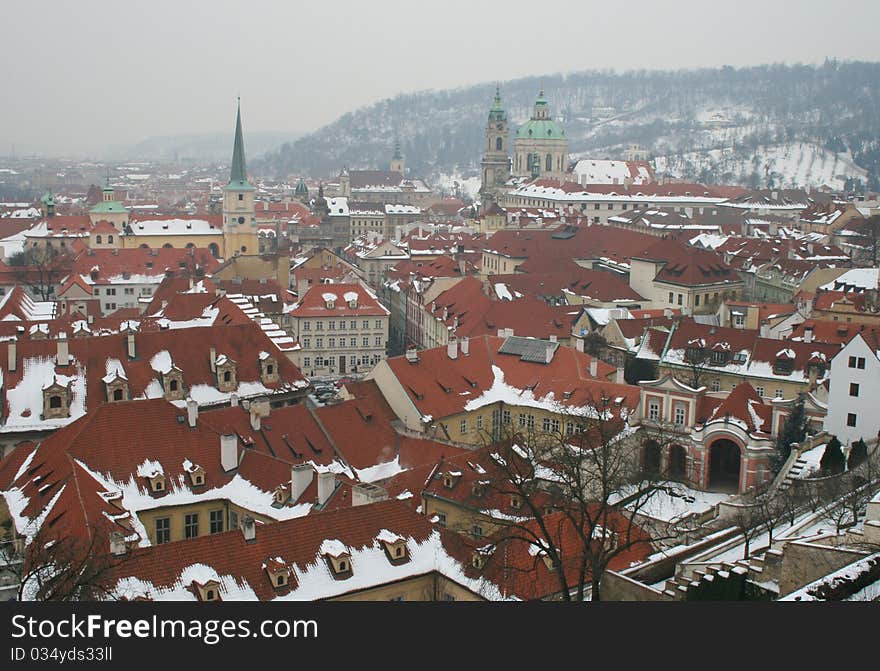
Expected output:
(677, 468)
(651, 457)
(725, 462)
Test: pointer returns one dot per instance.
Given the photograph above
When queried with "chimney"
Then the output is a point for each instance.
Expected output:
(452, 347)
(249, 529)
(228, 452)
(548, 353)
(808, 334)
(12, 352)
(233, 400)
(464, 344)
(594, 366)
(255, 418)
(62, 355)
(192, 412)
(117, 544)
(553, 338)
(579, 344)
(131, 349)
(618, 376)
(90, 319)
(366, 493)
(412, 355)
(213, 355)
(300, 478)
(326, 486)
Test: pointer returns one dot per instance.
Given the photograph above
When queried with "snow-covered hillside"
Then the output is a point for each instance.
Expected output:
(783, 165)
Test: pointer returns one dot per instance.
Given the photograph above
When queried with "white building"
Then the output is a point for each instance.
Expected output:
(853, 408)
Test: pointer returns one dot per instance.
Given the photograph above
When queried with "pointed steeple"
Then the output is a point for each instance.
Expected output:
(497, 112)
(238, 173)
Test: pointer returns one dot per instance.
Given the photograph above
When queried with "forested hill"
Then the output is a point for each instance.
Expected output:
(769, 125)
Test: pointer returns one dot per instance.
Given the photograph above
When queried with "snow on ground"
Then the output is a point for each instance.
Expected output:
(468, 186)
(677, 501)
(792, 165)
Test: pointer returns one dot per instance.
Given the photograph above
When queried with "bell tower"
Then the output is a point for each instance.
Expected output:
(495, 166)
(239, 212)
(397, 163)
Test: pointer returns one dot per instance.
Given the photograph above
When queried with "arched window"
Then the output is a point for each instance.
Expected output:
(214, 249)
(270, 369)
(54, 401)
(548, 163)
(109, 239)
(167, 245)
(498, 144)
(227, 376)
(173, 385)
(190, 245)
(98, 239)
(117, 395)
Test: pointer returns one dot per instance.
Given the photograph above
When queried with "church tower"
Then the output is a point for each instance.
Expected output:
(239, 212)
(496, 160)
(397, 163)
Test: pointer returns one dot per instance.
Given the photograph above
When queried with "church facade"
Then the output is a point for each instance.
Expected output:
(540, 149)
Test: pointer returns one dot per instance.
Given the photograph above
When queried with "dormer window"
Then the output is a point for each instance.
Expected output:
(278, 572)
(478, 561)
(784, 363)
(394, 546)
(718, 358)
(280, 497)
(338, 558)
(516, 501)
(157, 484)
(451, 478)
(268, 368)
(210, 591)
(56, 401)
(478, 488)
(695, 354)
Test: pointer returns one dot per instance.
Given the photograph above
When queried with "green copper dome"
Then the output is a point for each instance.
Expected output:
(541, 126)
(543, 129)
(109, 206)
(301, 188)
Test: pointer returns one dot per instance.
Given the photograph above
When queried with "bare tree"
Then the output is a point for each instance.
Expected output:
(49, 568)
(582, 483)
(40, 268)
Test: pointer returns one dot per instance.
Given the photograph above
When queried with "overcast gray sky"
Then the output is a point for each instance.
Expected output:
(86, 75)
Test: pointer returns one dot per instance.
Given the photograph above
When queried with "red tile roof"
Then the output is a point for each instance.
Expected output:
(439, 386)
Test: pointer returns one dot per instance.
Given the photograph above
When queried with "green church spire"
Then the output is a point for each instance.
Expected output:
(238, 172)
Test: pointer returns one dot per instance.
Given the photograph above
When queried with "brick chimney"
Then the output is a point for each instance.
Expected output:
(229, 452)
(132, 352)
(326, 486)
(192, 412)
(255, 418)
(594, 367)
(464, 344)
(249, 529)
(117, 544)
(12, 355)
(452, 347)
(62, 354)
(301, 477)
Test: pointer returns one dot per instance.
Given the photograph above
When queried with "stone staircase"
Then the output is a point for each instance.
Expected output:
(762, 570)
